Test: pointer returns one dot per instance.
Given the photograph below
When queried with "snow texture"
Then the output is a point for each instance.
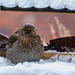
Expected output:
(52, 66)
(56, 4)
(4, 35)
(55, 51)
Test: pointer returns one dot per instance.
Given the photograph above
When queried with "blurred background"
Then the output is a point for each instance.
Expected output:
(50, 25)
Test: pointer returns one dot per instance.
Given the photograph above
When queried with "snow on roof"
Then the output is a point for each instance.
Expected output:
(55, 4)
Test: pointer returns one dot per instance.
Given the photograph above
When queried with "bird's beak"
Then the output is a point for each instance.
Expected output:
(35, 29)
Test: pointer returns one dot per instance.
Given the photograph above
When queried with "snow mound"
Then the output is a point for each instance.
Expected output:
(56, 4)
(43, 67)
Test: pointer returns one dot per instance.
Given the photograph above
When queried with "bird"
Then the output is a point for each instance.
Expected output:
(27, 46)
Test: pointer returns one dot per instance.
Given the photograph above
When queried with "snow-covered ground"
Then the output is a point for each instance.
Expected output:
(56, 4)
(51, 66)
(54, 51)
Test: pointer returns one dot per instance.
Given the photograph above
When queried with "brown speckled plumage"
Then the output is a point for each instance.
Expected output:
(28, 47)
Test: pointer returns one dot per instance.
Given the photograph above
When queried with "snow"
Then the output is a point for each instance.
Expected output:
(8, 3)
(56, 4)
(25, 3)
(4, 35)
(55, 51)
(52, 66)
(42, 3)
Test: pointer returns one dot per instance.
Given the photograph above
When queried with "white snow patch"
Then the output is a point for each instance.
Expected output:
(56, 4)
(54, 51)
(42, 3)
(66, 58)
(73, 59)
(8, 3)
(43, 67)
(25, 3)
(4, 35)
(70, 4)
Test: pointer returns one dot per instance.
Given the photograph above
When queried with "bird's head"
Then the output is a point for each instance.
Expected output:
(28, 30)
